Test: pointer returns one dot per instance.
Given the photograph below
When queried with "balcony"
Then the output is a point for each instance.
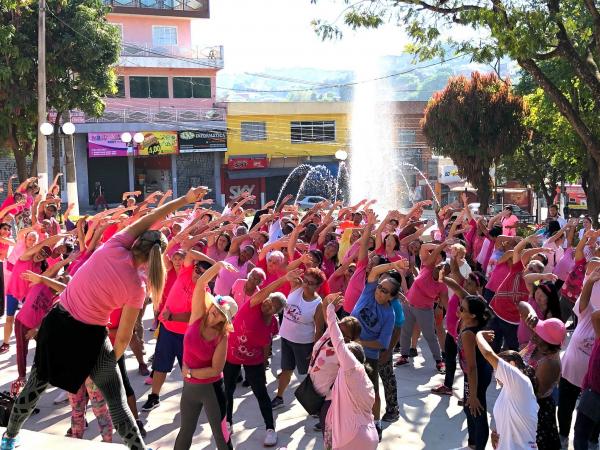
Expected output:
(155, 115)
(143, 55)
(196, 9)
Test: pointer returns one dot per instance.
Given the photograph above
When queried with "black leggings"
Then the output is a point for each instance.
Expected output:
(108, 379)
(450, 351)
(255, 375)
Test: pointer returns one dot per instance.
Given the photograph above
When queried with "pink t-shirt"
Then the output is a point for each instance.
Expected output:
(509, 221)
(198, 352)
(425, 291)
(355, 285)
(79, 261)
(511, 291)
(17, 286)
(238, 292)
(565, 264)
(107, 281)
(225, 279)
(576, 358)
(328, 267)
(214, 253)
(38, 302)
(452, 316)
(251, 335)
(498, 275)
(179, 299)
(271, 277)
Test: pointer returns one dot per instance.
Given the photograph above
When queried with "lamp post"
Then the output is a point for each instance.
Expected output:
(128, 139)
(68, 130)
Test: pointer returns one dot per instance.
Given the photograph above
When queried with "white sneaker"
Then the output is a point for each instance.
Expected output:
(271, 438)
(62, 397)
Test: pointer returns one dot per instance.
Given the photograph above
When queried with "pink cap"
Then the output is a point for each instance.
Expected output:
(552, 331)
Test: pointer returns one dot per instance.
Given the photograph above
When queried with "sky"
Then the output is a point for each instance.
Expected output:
(261, 34)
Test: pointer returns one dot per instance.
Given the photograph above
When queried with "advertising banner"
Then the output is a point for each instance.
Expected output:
(202, 140)
(241, 163)
(158, 143)
(102, 145)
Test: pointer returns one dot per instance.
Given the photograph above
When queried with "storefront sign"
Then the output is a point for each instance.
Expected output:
(202, 140)
(106, 144)
(260, 162)
(234, 188)
(158, 143)
(449, 174)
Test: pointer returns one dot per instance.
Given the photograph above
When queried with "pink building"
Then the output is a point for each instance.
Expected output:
(167, 90)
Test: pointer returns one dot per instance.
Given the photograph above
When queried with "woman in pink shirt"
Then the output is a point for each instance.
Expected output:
(350, 416)
(109, 279)
(244, 288)
(204, 354)
(240, 256)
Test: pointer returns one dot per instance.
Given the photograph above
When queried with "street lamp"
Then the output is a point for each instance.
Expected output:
(341, 155)
(128, 139)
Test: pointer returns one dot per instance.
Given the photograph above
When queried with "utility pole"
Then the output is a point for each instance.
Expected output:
(42, 144)
(70, 172)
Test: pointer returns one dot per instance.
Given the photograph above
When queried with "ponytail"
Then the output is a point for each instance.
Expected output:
(156, 274)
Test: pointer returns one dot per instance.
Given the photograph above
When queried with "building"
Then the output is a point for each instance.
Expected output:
(267, 141)
(166, 92)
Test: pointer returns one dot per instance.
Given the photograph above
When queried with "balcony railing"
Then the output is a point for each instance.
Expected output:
(170, 115)
(186, 8)
(214, 53)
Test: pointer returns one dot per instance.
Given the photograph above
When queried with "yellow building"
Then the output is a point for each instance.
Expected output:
(266, 141)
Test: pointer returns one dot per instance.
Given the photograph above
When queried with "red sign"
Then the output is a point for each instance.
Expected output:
(260, 162)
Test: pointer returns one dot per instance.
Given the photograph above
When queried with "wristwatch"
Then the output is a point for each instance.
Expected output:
(188, 374)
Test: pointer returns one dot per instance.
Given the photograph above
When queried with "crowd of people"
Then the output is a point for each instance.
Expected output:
(349, 292)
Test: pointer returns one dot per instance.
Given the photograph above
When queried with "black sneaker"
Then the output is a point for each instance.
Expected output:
(141, 428)
(277, 403)
(412, 353)
(379, 431)
(245, 383)
(153, 402)
(391, 416)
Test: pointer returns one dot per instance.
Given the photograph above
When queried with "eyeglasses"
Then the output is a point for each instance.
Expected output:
(309, 282)
(383, 290)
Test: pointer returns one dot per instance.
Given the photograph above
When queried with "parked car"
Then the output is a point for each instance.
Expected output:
(309, 201)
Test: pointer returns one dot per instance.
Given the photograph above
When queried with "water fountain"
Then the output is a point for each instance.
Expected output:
(293, 173)
(320, 180)
(422, 175)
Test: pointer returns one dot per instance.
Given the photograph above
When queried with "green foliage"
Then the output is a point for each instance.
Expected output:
(81, 49)
(475, 122)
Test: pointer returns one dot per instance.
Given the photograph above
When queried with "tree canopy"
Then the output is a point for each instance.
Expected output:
(475, 122)
(81, 50)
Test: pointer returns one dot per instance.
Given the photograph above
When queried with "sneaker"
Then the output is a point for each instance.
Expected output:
(9, 443)
(270, 438)
(153, 402)
(391, 416)
(63, 397)
(140, 425)
(413, 353)
(143, 370)
(402, 360)
(148, 381)
(277, 402)
(442, 390)
(379, 430)
(69, 432)
(440, 366)
(4, 348)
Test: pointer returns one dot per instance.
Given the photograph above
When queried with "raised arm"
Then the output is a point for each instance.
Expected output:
(483, 338)
(143, 224)
(457, 288)
(376, 271)
(199, 296)
(429, 261)
(363, 249)
(50, 242)
(345, 357)
(521, 246)
(263, 294)
(579, 255)
(35, 278)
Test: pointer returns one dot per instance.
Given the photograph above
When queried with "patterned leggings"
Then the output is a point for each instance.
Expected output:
(89, 392)
(390, 388)
(107, 377)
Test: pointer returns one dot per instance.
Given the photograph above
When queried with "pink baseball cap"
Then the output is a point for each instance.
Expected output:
(552, 331)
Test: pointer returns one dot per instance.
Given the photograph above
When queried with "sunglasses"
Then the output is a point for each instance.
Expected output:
(383, 290)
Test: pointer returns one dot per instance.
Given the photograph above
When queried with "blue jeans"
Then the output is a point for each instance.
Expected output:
(504, 332)
(585, 430)
(478, 426)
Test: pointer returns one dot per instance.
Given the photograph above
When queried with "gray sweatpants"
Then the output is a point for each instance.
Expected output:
(426, 320)
(193, 398)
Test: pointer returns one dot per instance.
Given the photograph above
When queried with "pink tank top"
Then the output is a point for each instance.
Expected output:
(198, 352)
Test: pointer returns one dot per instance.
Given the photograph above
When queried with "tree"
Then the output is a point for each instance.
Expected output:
(81, 50)
(531, 33)
(552, 153)
(475, 122)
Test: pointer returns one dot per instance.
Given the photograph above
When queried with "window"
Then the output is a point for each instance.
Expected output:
(318, 131)
(407, 137)
(164, 36)
(120, 88)
(191, 87)
(148, 87)
(254, 131)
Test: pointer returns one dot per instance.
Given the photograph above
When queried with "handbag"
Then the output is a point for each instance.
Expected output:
(589, 404)
(306, 393)
(6, 404)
